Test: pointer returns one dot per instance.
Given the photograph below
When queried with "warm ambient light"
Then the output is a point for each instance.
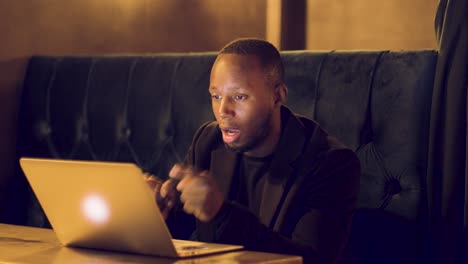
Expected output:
(95, 208)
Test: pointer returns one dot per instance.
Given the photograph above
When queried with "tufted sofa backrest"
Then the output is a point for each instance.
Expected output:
(145, 109)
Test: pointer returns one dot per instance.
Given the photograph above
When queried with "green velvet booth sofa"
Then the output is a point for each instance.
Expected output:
(146, 108)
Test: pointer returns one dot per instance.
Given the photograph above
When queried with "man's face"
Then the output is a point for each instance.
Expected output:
(243, 102)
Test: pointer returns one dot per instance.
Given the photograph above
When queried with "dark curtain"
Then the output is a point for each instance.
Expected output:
(447, 170)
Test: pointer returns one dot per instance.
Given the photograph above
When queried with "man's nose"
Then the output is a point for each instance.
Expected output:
(225, 108)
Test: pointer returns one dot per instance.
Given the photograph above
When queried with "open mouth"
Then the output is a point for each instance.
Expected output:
(230, 134)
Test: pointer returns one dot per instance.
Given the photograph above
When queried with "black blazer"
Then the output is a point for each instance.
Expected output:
(308, 199)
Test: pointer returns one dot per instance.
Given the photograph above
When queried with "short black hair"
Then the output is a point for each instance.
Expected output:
(268, 55)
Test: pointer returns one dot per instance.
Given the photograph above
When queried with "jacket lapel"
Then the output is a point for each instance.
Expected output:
(307, 163)
(281, 169)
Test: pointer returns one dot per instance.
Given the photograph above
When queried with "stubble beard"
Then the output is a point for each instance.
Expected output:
(257, 139)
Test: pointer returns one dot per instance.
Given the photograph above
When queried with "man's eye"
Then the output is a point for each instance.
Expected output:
(215, 97)
(240, 97)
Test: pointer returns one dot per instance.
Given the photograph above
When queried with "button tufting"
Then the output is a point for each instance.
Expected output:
(126, 132)
(43, 130)
(393, 187)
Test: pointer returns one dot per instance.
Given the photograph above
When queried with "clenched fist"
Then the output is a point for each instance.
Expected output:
(198, 192)
(165, 203)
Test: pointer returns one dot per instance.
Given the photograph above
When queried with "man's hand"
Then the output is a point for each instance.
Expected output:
(199, 192)
(156, 184)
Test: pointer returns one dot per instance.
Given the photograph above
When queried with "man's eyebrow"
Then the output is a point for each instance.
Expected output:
(214, 88)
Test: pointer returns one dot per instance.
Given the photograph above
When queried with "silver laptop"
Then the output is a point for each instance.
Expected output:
(106, 205)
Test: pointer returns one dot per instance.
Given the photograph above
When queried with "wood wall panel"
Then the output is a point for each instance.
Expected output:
(77, 27)
(371, 24)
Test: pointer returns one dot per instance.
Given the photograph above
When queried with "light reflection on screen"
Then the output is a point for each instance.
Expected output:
(95, 208)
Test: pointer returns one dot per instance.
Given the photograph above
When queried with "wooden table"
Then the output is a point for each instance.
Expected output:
(20, 244)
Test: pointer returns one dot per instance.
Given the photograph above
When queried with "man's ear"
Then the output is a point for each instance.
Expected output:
(281, 94)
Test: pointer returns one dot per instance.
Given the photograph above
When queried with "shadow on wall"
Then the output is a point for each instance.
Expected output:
(12, 72)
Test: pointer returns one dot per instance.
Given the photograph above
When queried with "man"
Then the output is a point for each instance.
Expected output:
(259, 175)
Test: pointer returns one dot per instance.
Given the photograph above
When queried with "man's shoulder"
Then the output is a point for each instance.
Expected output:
(207, 136)
(325, 152)
(208, 130)
(320, 140)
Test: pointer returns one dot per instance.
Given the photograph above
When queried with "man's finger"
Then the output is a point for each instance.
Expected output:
(165, 188)
(153, 182)
(178, 171)
(169, 186)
